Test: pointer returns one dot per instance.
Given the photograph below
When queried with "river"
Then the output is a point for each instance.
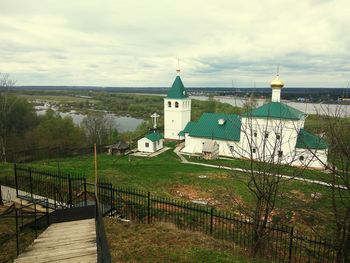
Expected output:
(123, 123)
(307, 107)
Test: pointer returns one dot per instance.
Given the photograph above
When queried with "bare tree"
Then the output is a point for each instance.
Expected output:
(267, 146)
(6, 105)
(336, 130)
(99, 127)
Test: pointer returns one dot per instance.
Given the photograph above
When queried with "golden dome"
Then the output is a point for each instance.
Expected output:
(277, 83)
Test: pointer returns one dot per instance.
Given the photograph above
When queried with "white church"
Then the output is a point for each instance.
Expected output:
(273, 132)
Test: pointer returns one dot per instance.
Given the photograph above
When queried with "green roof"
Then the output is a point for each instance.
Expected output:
(307, 140)
(187, 128)
(208, 126)
(177, 90)
(154, 136)
(276, 110)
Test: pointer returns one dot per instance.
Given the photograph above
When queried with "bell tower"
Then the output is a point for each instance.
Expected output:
(177, 109)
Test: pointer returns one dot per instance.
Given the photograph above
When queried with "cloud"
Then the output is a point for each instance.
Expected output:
(136, 43)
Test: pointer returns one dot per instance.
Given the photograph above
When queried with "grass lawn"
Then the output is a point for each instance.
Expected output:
(130, 242)
(165, 175)
(285, 170)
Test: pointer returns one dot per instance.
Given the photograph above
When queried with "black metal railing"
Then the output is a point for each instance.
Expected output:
(62, 190)
(20, 225)
(36, 154)
(281, 243)
(103, 254)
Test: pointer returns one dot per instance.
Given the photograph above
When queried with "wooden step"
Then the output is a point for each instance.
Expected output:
(73, 241)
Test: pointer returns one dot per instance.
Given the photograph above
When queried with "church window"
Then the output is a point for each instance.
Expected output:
(254, 150)
(232, 148)
(146, 144)
(255, 134)
(172, 121)
(301, 158)
(176, 104)
(280, 153)
(169, 104)
(278, 136)
(266, 135)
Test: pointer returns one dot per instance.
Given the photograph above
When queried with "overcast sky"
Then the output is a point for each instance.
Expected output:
(137, 42)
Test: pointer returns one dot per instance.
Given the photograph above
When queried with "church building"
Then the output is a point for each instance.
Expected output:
(273, 132)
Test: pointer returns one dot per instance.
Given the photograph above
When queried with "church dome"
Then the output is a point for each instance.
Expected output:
(277, 83)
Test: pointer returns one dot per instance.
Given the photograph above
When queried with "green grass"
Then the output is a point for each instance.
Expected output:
(165, 243)
(284, 169)
(166, 176)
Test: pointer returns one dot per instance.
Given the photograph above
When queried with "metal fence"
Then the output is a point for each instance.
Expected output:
(62, 190)
(36, 154)
(21, 224)
(280, 244)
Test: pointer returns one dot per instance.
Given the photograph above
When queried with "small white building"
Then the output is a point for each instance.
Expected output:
(152, 142)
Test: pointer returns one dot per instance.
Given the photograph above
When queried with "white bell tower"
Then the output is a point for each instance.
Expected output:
(177, 110)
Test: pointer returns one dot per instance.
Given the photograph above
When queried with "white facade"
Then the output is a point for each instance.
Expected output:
(263, 138)
(177, 113)
(146, 145)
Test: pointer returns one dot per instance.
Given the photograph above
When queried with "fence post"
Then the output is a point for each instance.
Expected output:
(290, 244)
(21, 213)
(47, 213)
(211, 220)
(36, 230)
(16, 179)
(17, 241)
(85, 198)
(148, 207)
(111, 195)
(30, 182)
(70, 191)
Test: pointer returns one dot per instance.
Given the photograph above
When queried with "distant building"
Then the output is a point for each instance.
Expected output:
(119, 148)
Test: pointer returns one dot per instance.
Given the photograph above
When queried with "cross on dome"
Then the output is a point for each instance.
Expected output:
(178, 67)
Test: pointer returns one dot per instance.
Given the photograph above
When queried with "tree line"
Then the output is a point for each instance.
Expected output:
(22, 129)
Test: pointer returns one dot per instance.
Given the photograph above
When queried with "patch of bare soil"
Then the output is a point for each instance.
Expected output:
(299, 196)
(192, 193)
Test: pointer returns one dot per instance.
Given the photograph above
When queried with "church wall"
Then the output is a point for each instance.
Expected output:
(308, 158)
(281, 136)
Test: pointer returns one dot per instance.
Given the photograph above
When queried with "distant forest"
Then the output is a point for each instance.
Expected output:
(329, 95)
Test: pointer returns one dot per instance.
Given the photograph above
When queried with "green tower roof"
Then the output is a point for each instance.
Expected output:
(177, 90)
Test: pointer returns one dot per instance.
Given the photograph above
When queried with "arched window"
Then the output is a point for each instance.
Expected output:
(176, 104)
(169, 104)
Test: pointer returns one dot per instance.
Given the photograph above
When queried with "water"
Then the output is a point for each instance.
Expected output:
(307, 107)
(123, 123)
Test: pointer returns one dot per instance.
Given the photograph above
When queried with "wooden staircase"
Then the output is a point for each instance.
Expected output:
(73, 241)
